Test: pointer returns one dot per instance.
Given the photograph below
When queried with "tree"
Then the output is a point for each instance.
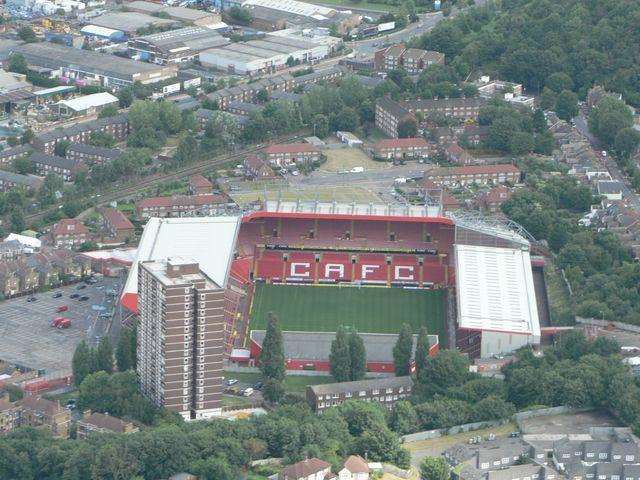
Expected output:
(402, 350)
(104, 355)
(559, 81)
(17, 220)
(447, 369)
(125, 97)
(539, 121)
(240, 15)
(61, 148)
(273, 390)
(346, 120)
(126, 350)
(340, 358)
(407, 128)
(422, 349)
(272, 356)
(108, 111)
(26, 34)
(187, 150)
(521, 143)
(491, 408)
(608, 117)
(403, 419)
(23, 165)
(213, 468)
(626, 142)
(27, 136)
(434, 468)
(18, 64)
(566, 105)
(82, 363)
(357, 357)
(320, 125)
(605, 346)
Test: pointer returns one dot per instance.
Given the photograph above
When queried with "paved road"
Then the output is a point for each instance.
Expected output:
(366, 48)
(581, 125)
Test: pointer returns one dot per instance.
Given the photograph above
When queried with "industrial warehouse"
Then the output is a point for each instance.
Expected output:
(267, 54)
(175, 46)
(94, 67)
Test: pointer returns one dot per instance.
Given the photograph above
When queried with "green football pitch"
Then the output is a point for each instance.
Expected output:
(324, 308)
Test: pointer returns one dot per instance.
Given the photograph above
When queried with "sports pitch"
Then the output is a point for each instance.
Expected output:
(367, 309)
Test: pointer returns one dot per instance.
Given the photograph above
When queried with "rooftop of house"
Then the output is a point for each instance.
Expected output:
(69, 226)
(303, 469)
(359, 385)
(105, 422)
(117, 219)
(412, 142)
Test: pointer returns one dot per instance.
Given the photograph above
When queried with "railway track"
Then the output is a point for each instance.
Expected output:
(200, 167)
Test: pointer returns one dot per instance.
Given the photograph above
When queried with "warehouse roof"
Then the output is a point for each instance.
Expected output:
(80, 104)
(293, 6)
(128, 21)
(52, 55)
(194, 38)
(496, 290)
(99, 31)
(210, 241)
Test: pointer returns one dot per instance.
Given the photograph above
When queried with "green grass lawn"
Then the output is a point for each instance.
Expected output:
(292, 383)
(366, 309)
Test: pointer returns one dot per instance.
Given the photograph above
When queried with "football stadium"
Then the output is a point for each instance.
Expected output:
(368, 267)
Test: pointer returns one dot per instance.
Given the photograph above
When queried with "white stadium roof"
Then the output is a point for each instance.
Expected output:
(495, 290)
(208, 240)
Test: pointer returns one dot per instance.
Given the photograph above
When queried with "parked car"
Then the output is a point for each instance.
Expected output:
(57, 295)
(81, 287)
(258, 386)
(247, 392)
(31, 299)
(232, 381)
(74, 295)
(62, 308)
(83, 298)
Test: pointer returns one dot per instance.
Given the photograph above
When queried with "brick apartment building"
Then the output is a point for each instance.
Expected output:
(10, 180)
(389, 113)
(180, 337)
(182, 205)
(116, 225)
(92, 155)
(290, 153)
(402, 148)
(44, 164)
(386, 391)
(492, 200)
(117, 126)
(479, 175)
(69, 233)
(413, 60)
(457, 155)
(93, 422)
(8, 155)
(199, 185)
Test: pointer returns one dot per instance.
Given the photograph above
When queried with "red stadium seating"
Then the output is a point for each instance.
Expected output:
(335, 267)
(350, 266)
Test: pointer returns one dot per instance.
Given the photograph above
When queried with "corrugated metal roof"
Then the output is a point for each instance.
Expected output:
(209, 240)
(495, 290)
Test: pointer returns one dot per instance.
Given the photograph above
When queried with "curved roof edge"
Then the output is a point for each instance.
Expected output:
(339, 216)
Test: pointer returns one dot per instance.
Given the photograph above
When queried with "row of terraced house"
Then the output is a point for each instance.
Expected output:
(25, 273)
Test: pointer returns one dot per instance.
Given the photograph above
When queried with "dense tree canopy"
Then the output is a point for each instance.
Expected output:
(561, 44)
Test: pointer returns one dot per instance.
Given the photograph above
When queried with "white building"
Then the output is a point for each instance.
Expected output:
(87, 104)
(496, 299)
(267, 54)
